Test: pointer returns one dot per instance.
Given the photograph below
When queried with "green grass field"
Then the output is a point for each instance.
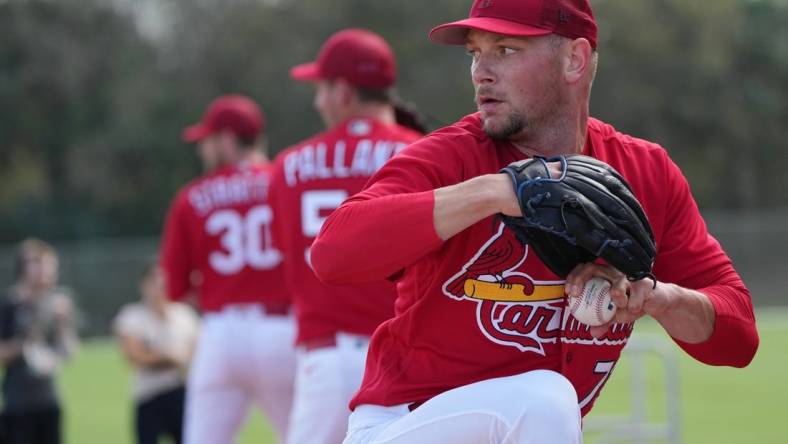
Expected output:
(718, 405)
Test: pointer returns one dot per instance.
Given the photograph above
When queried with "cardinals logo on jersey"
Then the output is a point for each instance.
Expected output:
(513, 308)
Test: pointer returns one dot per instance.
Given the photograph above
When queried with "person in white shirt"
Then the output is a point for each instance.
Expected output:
(157, 337)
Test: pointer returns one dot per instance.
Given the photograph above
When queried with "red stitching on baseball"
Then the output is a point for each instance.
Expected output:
(599, 300)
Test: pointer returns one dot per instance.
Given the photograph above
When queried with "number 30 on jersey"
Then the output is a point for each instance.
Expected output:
(246, 240)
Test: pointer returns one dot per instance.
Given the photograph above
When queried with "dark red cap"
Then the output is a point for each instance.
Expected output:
(522, 18)
(359, 56)
(235, 113)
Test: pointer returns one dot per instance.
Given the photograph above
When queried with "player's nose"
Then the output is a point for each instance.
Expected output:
(481, 71)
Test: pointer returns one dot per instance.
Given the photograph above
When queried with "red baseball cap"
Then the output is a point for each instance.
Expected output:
(521, 18)
(359, 56)
(235, 113)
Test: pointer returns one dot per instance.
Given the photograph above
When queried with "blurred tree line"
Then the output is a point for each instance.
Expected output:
(94, 93)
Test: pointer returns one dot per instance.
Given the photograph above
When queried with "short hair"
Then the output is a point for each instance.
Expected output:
(557, 40)
(250, 144)
(377, 95)
(247, 142)
(27, 248)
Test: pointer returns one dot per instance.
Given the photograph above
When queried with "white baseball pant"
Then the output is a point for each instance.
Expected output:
(537, 407)
(327, 379)
(243, 357)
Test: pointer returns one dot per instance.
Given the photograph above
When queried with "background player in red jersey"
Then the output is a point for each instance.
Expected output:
(217, 242)
(354, 76)
(498, 358)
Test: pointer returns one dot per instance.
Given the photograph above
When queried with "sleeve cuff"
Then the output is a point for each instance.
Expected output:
(734, 339)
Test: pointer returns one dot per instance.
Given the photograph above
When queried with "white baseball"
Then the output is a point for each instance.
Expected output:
(594, 306)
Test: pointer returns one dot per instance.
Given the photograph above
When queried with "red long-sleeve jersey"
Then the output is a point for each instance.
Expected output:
(310, 180)
(218, 241)
(480, 305)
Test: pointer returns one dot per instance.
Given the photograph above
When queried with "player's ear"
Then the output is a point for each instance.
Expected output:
(346, 93)
(577, 60)
(227, 142)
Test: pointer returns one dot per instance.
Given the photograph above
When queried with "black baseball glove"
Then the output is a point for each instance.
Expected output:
(587, 213)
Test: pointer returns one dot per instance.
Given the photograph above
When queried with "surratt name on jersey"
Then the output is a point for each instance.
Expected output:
(226, 191)
(311, 162)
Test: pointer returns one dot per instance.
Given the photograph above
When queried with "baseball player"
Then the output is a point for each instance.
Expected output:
(354, 77)
(218, 244)
(482, 349)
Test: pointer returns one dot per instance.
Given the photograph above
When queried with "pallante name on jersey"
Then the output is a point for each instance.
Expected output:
(311, 161)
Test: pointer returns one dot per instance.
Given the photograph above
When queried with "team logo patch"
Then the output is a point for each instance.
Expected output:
(513, 308)
(359, 128)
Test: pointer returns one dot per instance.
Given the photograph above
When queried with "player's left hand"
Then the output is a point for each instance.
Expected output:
(633, 299)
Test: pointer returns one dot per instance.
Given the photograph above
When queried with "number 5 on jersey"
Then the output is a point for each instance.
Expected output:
(312, 204)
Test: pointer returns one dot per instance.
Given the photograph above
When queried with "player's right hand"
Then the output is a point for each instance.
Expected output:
(633, 299)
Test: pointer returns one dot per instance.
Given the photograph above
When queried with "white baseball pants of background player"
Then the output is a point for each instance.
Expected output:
(244, 357)
(537, 407)
(326, 380)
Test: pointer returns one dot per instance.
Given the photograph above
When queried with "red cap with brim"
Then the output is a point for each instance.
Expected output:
(455, 33)
(307, 72)
(235, 113)
(361, 57)
(522, 18)
(195, 133)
